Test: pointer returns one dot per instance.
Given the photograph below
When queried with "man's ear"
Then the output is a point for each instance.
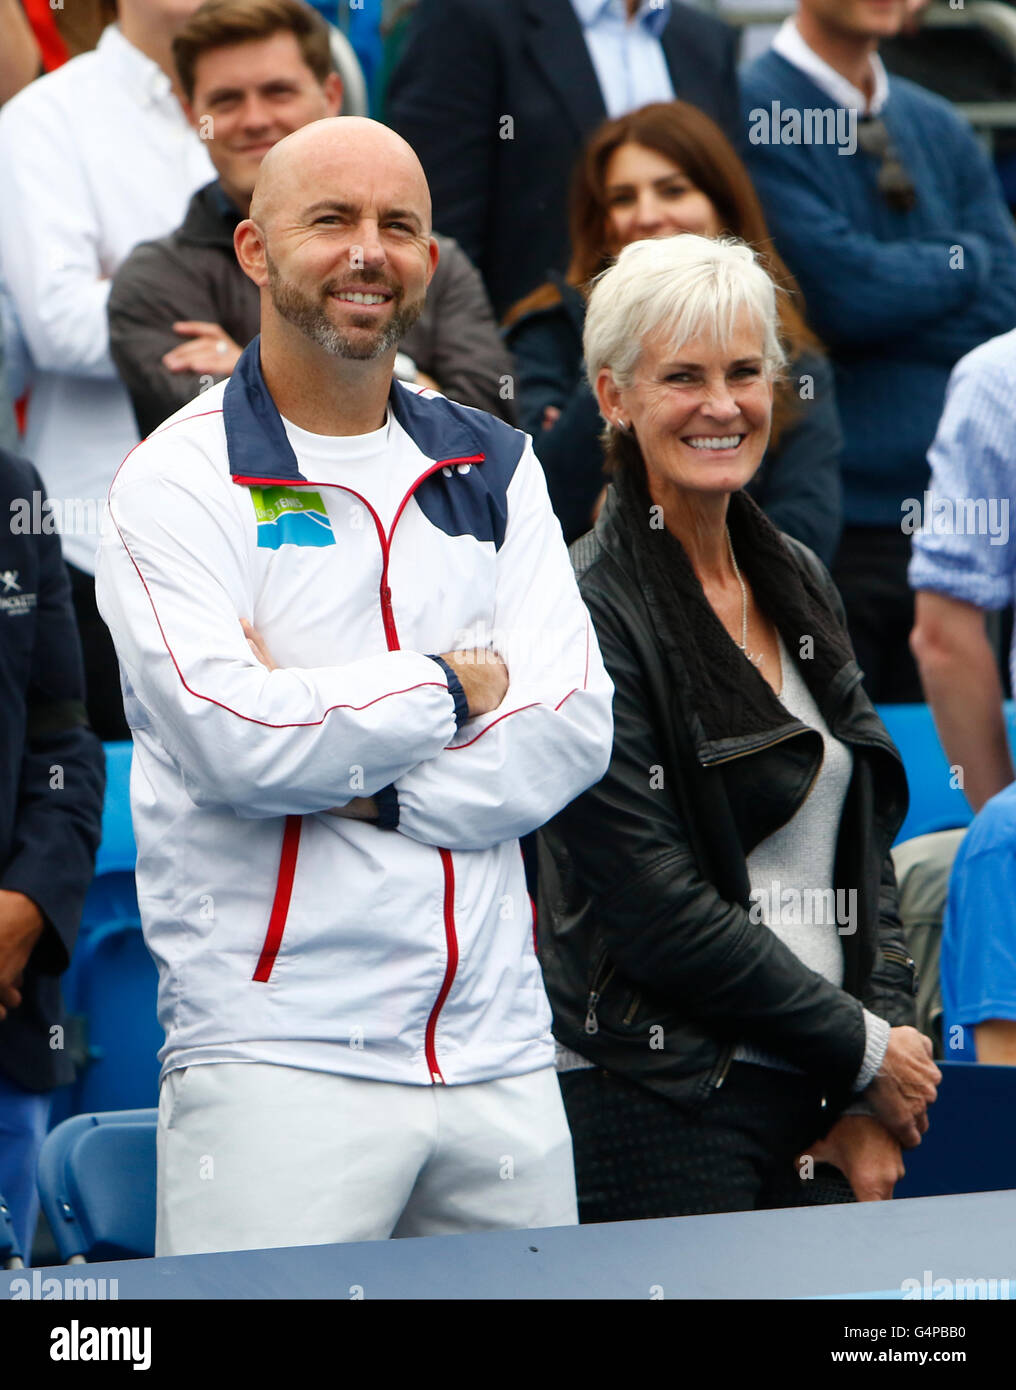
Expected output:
(434, 253)
(333, 93)
(249, 244)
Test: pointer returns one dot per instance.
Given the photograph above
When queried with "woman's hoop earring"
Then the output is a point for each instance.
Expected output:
(621, 425)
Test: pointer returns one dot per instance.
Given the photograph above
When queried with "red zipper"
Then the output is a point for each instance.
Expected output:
(451, 965)
(283, 893)
(291, 836)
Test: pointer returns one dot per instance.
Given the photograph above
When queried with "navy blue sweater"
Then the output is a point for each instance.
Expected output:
(798, 485)
(52, 770)
(898, 297)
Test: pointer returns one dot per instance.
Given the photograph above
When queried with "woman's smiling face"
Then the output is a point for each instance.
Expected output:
(701, 413)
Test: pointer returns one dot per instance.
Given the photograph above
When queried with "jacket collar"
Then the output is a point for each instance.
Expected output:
(258, 447)
(211, 218)
(729, 708)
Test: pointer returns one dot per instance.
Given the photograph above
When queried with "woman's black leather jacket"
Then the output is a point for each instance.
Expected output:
(653, 963)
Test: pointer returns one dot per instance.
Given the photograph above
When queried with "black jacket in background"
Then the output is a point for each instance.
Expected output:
(52, 770)
(644, 892)
(193, 274)
(797, 486)
(469, 66)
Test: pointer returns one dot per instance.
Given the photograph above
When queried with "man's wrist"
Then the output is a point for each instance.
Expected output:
(455, 690)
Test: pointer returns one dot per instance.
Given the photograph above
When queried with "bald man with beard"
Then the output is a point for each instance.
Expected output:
(357, 669)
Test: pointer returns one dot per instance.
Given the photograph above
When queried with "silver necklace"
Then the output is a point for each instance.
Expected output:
(755, 659)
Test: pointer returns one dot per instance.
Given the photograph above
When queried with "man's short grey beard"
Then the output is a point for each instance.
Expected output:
(312, 320)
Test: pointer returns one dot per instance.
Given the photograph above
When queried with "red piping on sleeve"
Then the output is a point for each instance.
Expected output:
(536, 704)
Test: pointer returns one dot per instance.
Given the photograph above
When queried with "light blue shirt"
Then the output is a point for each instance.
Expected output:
(627, 56)
(978, 957)
(966, 548)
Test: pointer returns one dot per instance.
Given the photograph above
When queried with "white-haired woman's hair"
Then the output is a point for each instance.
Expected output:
(683, 287)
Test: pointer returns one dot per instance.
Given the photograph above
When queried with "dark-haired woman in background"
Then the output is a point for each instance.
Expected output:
(656, 172)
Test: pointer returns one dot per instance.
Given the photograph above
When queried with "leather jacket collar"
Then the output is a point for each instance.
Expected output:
(729, 708)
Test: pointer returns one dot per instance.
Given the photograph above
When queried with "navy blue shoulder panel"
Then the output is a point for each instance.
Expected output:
(256, 439)
(473, 502)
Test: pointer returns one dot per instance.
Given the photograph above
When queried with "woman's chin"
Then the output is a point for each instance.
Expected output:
(722, 475)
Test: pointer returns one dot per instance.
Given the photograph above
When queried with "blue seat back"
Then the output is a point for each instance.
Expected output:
(9, 1250)
(111, 897)
(112, 894)
(935, 802)
(970, 1145)
(115, 986)
(97, 1185)
(117, 850)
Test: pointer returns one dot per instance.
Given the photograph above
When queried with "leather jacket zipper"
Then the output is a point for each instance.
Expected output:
(895, 953)
(756, 748)
(720, 1070)
(592, 1024)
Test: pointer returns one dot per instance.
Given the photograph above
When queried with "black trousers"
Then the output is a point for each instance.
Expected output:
(870, 571)
(638, 1156)
(102, 672)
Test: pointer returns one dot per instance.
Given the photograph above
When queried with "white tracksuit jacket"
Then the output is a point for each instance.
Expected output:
(284, 934)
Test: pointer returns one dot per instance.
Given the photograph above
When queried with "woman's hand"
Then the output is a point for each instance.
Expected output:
(905, 1086)
(361, 807)
(865, 1153)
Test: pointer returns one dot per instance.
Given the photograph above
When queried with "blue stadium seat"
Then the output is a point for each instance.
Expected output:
(934, 803)
(112, 895)
(117, 852)
(97, 1186)
(10, 1253)
(970, 1145)
(114, 988)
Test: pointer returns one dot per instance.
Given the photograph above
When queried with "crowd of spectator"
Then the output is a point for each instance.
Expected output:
(743, 337)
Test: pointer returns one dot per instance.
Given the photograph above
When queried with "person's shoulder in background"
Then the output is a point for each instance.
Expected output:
(456, 341)
(978, 957)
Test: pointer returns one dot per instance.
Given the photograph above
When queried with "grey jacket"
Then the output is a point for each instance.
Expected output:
(193, 274)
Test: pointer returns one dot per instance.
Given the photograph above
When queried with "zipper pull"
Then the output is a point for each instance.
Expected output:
(723, 1073)
(592, 1025)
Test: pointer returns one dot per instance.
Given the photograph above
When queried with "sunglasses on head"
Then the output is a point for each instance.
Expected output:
(894, 183)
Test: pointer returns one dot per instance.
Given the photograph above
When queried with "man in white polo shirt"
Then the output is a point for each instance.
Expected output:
(94, 158)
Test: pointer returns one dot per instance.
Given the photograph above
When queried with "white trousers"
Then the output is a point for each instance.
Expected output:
(254, 1156)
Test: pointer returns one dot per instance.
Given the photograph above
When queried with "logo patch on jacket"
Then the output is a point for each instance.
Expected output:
(290, 516)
